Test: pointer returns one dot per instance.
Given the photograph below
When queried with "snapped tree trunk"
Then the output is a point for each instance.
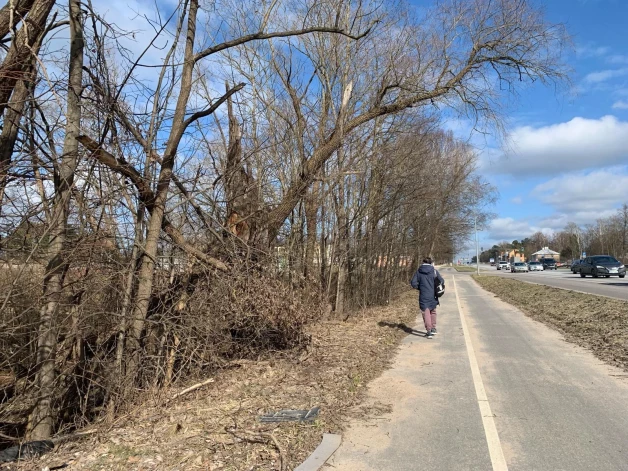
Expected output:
(240, 187)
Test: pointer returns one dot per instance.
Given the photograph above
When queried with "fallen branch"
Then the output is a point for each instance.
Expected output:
(9, 438)
(261, 437)
(72, 436)
(190, 389)
(276, 442)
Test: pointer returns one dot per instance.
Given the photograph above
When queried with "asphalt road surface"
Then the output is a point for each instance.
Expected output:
(494, 390)
(613, 287)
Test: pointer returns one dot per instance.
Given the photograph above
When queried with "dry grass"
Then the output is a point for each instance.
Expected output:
(216, 428)
(465, 268)
(594, 322)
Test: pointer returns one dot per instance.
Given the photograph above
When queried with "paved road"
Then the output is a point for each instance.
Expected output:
(613, 287)
(493, 390)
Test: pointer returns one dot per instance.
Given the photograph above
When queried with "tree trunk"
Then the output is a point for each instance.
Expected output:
(19, 57)
(147, 262)
(10, 128)
(13, 115)
(12, 13)
(311, 216)
(343, 246)
(42, 419)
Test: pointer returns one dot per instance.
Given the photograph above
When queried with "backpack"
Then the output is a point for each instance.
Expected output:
(439, 288)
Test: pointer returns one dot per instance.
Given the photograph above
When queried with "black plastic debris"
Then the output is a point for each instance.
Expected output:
(26, 450)
(291, 415)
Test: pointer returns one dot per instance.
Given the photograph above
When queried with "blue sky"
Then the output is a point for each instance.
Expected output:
(566, 157)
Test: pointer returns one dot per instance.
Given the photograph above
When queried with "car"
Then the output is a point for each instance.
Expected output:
(503, 265)
(602, 265)
(535, 266)
(519, 267)
(548, 263)
(575, 266)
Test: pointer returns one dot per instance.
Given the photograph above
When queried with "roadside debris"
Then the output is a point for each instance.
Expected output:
(291, 415)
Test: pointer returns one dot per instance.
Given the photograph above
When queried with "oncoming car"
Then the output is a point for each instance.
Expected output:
(519, 267)
(503, 265)
(535, 266)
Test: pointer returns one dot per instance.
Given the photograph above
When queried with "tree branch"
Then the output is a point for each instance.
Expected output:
(279, 34)
(213, 107)
(122, 167)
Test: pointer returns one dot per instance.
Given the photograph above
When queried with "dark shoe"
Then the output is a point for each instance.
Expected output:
(429, 335)
(434, 332)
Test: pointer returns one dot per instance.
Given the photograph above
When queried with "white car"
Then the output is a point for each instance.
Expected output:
(520, 266)
(503, 265)
(535, 266)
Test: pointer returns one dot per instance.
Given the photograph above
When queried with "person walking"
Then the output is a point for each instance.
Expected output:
(424, 280)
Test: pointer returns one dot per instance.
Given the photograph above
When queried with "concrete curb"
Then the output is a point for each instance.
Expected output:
(328, 446)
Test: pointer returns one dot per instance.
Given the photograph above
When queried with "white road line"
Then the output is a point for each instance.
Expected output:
(492, 437)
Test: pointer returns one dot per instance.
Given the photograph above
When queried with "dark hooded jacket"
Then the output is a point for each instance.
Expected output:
(423, 280)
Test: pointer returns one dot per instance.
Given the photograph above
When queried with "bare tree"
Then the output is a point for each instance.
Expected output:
(42, 419)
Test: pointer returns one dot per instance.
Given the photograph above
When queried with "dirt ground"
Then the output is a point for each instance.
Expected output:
(594, 322)
(217, 427)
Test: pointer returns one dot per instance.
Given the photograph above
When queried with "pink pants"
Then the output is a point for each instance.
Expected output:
(429, 318)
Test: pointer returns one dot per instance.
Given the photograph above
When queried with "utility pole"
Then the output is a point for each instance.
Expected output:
(477, 246)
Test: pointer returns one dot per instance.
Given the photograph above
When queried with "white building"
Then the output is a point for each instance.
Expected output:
(545, 252)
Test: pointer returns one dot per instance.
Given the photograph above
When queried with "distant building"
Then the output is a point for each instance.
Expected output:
(514, 256)
(545, 252)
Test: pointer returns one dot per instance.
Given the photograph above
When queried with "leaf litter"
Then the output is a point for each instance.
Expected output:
(217, 427)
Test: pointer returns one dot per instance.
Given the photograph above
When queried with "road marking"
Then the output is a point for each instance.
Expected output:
(492, 437)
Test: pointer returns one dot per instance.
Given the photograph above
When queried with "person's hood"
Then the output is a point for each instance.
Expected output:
(426, 269)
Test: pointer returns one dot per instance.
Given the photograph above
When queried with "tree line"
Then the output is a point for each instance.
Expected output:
(243, 170)
(606, 236)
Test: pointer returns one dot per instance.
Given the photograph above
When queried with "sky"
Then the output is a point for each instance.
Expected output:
(565, 156)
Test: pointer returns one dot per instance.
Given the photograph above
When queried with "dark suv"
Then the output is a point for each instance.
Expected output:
(602, 265)
(548, 263)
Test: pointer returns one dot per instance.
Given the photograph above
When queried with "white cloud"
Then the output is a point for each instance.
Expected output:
(592, 51)
(578, 197)
(618, 59)
(620, 105)
(586, 197)
(604, 75)
(516, 200)
(509, 229)
(575, 145)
